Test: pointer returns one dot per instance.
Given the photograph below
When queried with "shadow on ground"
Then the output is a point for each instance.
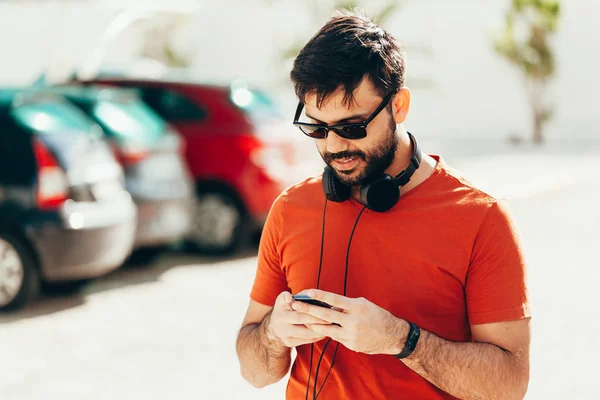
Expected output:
(58, 300)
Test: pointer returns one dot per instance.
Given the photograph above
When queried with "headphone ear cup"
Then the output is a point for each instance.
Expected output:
(333, 188)
(380, 194)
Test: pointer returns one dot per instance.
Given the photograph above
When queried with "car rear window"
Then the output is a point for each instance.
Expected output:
(256, 104)
(17, 162)
(129, 120)
(172, 106)
(48, 117)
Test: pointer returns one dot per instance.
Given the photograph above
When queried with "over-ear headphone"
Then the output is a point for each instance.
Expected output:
(379, 193)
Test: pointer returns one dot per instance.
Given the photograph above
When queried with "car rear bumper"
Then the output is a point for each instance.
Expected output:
(84, 240)
(258, 199)
(162, 222)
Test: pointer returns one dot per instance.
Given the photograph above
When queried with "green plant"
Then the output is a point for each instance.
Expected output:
(525, 42)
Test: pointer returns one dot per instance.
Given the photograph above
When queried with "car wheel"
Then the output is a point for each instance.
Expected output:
(19, 277)
(218, 224)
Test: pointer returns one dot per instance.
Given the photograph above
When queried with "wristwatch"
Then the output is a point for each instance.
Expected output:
(411, 341)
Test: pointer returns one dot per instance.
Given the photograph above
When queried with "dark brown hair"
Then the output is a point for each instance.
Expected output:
(349, 48)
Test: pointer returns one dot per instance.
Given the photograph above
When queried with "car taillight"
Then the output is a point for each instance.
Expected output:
(272, 160)
(128, 156)
(248, 144)
(53, 186)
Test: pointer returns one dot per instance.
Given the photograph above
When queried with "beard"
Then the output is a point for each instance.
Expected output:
(376, 160)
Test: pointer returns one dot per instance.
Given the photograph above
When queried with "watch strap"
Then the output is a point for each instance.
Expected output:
(411, 341)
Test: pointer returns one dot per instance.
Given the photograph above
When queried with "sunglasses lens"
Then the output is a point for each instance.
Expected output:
(352, 132)
(347, 132)
(315, 132)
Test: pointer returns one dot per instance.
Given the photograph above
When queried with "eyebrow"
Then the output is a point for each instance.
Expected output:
(362, 117)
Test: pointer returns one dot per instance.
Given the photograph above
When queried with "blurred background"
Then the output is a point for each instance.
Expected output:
(143, 143)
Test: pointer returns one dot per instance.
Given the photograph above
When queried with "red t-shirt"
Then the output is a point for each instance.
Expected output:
(444, 257)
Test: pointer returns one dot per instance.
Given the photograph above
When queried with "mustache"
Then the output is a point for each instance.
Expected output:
(329, 157)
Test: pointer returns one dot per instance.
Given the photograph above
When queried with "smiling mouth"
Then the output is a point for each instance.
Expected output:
(346, 164)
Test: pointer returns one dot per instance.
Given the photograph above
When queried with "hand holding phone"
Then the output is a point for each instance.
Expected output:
(309, 300)
(288, 327)
(305, 299)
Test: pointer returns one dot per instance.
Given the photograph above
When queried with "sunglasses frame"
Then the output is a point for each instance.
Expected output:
(339, 129)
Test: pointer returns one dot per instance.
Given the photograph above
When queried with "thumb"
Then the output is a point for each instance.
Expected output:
(286, 298)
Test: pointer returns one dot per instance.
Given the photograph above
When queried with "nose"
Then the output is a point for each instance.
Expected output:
(335, 143)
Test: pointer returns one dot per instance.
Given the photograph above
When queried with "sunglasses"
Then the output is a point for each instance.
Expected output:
(347, 131)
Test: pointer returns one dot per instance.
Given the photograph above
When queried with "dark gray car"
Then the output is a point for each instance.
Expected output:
(64, 212)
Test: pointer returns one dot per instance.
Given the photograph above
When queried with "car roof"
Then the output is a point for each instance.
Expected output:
(163, 81)
(92, 93)
(6, 98)
(173, 77)
(9, 95)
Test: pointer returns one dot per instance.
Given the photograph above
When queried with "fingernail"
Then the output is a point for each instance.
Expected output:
(311, 293)
(287, 298)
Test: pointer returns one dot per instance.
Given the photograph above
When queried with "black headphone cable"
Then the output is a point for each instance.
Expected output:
(312, 345)
(315, 393)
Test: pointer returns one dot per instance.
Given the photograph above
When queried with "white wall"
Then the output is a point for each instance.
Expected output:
(476, 93)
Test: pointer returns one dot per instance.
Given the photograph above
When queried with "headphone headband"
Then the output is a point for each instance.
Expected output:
(415, 161)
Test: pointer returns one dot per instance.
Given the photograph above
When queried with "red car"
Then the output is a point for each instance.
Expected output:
(239, 151)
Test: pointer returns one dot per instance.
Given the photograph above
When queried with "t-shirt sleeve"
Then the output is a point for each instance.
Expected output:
(270, 279)
(496, 287)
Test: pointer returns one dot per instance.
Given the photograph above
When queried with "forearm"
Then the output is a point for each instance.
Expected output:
(470, 370)
(263, 360)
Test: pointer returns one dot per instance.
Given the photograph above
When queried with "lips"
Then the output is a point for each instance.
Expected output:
(345, 164)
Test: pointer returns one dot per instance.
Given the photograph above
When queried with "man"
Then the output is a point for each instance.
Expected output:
(427, 292)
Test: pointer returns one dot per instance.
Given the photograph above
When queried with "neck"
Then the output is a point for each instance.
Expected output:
(403, 153)
(401, 162)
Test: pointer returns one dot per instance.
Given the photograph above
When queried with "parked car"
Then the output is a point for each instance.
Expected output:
(65, 215)
(238, 150)
(151, 154)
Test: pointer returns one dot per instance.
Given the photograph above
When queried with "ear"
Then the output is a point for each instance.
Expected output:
(401, 105)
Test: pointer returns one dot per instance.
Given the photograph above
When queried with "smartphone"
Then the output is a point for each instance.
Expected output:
(305, 299)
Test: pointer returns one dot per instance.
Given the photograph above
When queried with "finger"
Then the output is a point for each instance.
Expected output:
(302, 332)
(296, 318)
(326, 314)
(285, 299)
(335, 300)
(332, 331)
